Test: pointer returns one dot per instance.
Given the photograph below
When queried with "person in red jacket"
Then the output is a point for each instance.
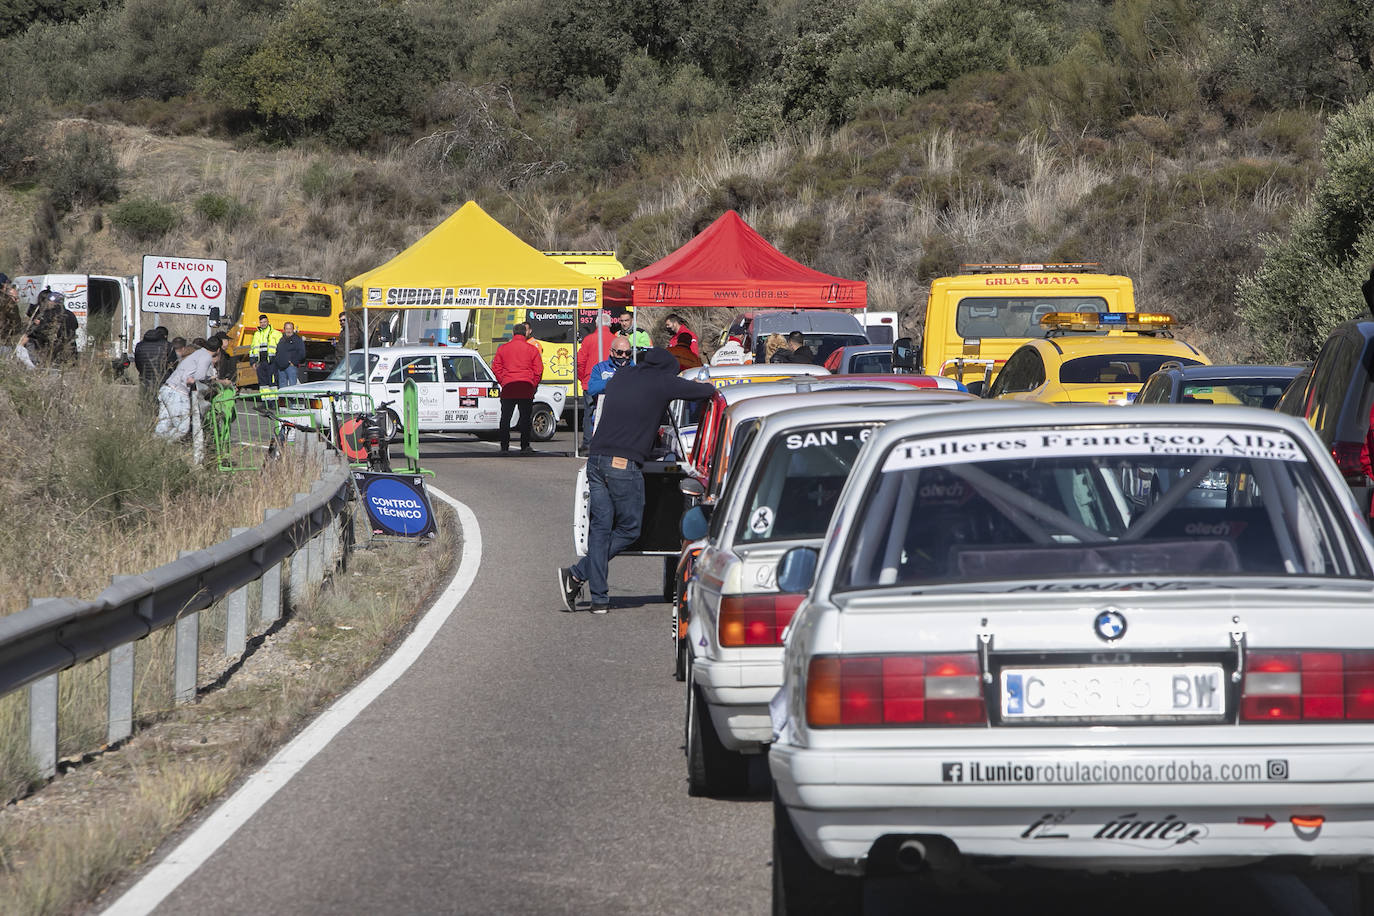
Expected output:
(519, 367)
(593, 348)
(676, 326)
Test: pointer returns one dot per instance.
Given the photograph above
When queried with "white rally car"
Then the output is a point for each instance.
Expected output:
(457, 391)
(792, 455)
(1021, 646)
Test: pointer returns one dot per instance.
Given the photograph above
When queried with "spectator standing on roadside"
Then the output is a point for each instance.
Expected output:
(632, 407)
(599, 376)
(519, 368)
(593, 351)
(676, 326)
(53, 328)
(682, 352)
(196, 365)
(261, 351)
(290, 354)
(800, 352)
(775, 349)
(153, 359)
(11, 318)
(639, 338)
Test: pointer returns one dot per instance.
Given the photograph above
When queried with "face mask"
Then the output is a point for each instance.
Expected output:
(620, 360)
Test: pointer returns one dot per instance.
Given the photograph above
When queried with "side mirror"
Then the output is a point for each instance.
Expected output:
(694, 524)
(692, 487)
(903, 355)
(797, 569)
(214, 314)
(455, 332)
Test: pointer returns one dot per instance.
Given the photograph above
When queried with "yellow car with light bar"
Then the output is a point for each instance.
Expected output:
(1073, 364)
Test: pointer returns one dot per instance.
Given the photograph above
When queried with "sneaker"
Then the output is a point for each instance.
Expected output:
(600, 608)
(528, 451)
(570, 587)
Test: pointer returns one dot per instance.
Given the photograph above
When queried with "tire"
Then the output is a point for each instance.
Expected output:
(542, 423)
(800, 886)
(679, 643)
(669, 578)
(713, 770)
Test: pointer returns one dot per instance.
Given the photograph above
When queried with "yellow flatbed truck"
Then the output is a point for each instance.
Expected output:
(308, 302)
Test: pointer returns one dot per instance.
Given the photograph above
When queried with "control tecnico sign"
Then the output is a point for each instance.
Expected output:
(397, 504)
(189, 286)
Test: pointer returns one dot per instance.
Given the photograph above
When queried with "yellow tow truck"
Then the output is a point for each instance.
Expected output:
(977, 319)
(312, 305)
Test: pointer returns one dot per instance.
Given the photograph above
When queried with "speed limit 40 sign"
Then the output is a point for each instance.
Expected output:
(190, 286)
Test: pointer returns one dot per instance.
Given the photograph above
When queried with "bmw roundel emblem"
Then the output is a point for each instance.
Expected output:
(1110, 625)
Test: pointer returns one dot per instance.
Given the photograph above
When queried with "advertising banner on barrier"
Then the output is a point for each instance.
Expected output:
(397, 504)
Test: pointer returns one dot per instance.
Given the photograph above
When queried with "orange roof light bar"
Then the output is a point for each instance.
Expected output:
(1100, 321)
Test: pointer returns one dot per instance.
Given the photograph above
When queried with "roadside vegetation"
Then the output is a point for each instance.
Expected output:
(60, 848)
(1176, 141)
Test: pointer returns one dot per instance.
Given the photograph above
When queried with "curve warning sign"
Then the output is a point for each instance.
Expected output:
(190, 286)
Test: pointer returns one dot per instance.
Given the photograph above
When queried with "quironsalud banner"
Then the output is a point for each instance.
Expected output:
(397, 504)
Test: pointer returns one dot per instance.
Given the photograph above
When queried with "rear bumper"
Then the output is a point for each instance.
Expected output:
(1214, 807)
(737, 694)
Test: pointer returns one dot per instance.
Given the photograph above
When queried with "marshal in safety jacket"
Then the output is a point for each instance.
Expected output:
(264, 339)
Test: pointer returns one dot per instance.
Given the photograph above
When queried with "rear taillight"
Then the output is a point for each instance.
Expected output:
(755, 620)
(314, 364)
(894, 690)
(1347, 455)
(1308, 687)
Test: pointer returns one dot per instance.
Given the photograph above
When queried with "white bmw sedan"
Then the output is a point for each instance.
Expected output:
(1071, 638)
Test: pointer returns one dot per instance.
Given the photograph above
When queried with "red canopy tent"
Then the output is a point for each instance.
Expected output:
(729, 264)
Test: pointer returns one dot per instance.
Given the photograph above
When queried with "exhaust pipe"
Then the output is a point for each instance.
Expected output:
(911, 855)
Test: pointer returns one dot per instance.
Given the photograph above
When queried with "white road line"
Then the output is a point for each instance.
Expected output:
(181, 862)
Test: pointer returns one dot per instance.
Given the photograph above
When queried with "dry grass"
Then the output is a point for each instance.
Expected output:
(62, 847)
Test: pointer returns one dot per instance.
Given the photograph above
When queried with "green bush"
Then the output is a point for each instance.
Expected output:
(144, 219)
(83, 170)
(1310, 281)
(221, 209)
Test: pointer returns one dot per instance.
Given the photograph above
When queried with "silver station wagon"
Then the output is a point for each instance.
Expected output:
(1076, 638)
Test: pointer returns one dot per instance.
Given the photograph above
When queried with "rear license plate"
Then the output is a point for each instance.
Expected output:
(1113, 692)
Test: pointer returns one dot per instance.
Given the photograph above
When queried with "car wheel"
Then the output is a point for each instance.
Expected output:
(669, 578)
(712, 768)
(543, 425)
(800, 886)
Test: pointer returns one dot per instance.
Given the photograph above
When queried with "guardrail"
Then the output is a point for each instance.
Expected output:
(52, 635)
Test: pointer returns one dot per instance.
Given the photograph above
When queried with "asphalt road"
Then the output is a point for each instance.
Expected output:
(531, 762)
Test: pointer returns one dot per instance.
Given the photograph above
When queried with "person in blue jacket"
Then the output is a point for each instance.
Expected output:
(596, 383)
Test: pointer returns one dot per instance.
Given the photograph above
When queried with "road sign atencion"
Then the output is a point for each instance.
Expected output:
(190, 286)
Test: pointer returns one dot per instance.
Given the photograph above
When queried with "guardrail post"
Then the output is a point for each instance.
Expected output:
(236, 616)
(300, 567)
(43, 725)
(270, 609)
(119, 718)
(187, 653)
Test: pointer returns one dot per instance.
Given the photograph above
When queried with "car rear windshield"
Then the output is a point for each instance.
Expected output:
(282, 302)
(1036, 504)
(1256, 392)
(1112, 368)
(796, 484)
(1017, 316)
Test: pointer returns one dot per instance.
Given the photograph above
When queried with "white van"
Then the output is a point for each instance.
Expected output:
(105, 307)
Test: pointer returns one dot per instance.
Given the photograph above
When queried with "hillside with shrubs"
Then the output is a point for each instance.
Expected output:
(1213, 152)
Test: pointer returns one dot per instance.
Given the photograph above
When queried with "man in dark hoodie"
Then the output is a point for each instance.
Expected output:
(631, 410)
(152, 358)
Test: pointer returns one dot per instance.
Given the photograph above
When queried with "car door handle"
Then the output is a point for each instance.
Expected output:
(451, 390)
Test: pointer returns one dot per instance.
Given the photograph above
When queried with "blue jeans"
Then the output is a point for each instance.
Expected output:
(588, 419)
(617, 508)
(286, 376)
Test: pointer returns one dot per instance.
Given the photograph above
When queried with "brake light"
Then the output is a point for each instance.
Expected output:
(1347, 455)
(1308, 687)
(314, 364)
(894, 690)
(756, 620)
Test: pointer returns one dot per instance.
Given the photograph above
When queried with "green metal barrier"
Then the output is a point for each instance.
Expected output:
(250, 429)
(410, 427)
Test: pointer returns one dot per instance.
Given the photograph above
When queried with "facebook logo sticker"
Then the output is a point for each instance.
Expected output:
(1016, 696)
(952, 772)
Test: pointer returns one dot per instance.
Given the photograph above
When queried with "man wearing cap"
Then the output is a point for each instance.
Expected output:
(262, 350)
